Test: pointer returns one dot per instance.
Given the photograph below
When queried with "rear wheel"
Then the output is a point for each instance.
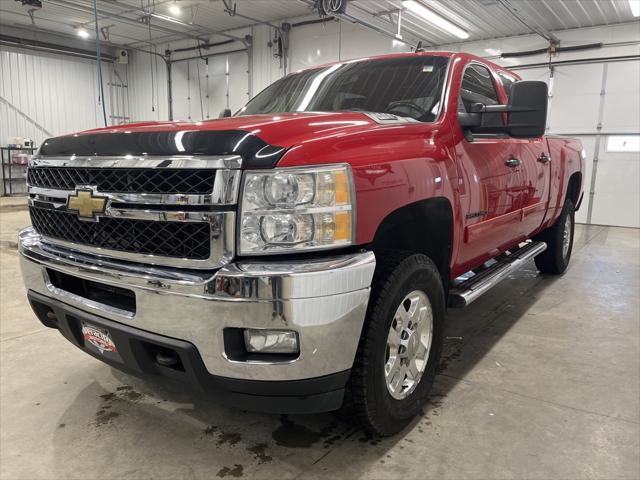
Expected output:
(559, 239)
(400, 344)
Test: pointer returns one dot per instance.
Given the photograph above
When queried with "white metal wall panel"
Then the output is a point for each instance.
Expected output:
(265, 68)
(147, 87)
(45, 94)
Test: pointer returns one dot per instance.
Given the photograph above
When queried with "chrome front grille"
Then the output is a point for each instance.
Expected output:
(168, 211)
(189, 240)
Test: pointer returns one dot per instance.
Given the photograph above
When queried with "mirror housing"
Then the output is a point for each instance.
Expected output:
(528, 109)
(225, 113)
(527, 112)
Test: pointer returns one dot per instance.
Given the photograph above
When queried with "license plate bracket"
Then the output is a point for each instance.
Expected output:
(99, 339)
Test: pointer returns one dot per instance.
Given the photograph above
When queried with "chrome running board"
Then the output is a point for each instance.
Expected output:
(465, 292)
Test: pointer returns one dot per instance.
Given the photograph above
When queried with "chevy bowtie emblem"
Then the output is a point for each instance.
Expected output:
(86, 203)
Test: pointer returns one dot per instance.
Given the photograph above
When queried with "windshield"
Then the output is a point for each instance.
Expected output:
(404, 86)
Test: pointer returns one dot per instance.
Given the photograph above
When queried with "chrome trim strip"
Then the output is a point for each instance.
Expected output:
(156, 214)
(224, 192)
(131, 161)
(242, 281)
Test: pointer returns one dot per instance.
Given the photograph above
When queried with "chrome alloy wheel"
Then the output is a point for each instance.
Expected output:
(408, 344)
(566, 237)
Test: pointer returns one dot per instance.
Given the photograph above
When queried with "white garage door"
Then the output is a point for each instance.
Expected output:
(599, 103)
(202, 88)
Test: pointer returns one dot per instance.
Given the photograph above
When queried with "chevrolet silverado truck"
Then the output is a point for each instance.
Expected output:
(299, 256)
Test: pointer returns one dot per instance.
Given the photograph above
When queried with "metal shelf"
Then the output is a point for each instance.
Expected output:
(9, 168)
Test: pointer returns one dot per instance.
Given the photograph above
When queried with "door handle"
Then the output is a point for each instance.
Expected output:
(513, 162)
(544, 158)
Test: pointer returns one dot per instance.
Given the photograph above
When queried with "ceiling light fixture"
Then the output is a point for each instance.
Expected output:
(167, 18)
(82, 33)
(635, 7)
(174, 9)
(432, 17)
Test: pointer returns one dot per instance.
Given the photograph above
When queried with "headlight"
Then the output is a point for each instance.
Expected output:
(296, 209)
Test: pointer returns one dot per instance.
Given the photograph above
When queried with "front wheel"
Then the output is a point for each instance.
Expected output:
(400, 344)
(559, 239)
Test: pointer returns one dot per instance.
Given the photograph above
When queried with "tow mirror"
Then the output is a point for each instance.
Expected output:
(527, 112)
(528, 109)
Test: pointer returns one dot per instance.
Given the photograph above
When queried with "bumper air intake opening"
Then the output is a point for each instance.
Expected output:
(45, 314)
(115, 297)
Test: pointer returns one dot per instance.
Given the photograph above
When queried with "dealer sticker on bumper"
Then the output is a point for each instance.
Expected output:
(99, 339)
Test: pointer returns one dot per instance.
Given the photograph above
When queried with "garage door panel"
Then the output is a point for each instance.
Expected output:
(621, 113)
(538, 74)
(238, 89)
(238, 63)
(576, 98)
(616, 200)
(612, 209)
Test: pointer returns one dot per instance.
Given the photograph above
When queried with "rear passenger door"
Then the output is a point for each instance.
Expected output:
(535, 177)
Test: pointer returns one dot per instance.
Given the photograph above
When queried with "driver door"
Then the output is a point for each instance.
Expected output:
(490, 171)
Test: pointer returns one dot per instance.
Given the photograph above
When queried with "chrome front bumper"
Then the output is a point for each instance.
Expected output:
(324, 300)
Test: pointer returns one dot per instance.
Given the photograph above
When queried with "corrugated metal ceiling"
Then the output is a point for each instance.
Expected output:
(485, 19)
(124, 20)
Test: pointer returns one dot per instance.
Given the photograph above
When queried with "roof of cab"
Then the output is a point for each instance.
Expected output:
(437, 53)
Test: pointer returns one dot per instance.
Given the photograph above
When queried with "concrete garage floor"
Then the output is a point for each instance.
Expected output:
(540, 379)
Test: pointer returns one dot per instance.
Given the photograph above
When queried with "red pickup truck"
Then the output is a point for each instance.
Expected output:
(300, 256)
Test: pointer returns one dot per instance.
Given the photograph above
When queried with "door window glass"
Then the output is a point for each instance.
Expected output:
(477, 87)
(507, 81)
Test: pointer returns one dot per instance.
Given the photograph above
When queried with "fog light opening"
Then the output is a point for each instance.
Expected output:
(271, 341)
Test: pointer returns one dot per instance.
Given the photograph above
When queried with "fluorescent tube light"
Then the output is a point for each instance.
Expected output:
(635, 7)
(169, 19)
(432, 17)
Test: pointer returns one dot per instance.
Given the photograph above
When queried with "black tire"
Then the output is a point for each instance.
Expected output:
(367, 397)
(554, 260)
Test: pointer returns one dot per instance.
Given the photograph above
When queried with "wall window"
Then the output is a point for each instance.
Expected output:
(623, 143)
